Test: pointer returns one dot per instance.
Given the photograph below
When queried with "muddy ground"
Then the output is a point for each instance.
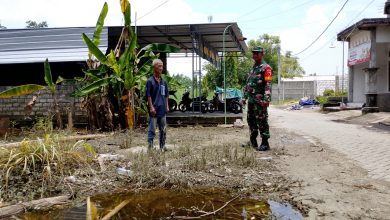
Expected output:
(319, 182)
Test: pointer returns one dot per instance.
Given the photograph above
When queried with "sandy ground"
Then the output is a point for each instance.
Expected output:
(331, 186)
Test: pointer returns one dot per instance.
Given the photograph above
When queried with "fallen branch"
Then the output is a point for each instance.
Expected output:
(40, 204)
(68, 138)
(207, 213)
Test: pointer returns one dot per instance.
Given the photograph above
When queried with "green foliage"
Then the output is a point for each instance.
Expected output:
(231, 73)
(122, 73)
(329, 92)
(43, 125)
(34, 25)
(322, 99)
(237, 68)
(21, 90)
(269, 43)
(100, 24)
(48, 77)
(214, 76)
(290, 67)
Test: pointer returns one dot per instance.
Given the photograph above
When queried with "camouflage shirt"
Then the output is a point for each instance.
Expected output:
(258, 85)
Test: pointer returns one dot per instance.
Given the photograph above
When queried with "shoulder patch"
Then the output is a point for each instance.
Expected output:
(268, 74)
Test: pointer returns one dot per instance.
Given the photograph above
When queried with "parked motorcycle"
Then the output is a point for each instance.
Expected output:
(172, 104)
(232, 104)
(197, 103)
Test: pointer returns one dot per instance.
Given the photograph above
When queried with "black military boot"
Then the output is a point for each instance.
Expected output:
(253, 138)
(254, 142)
(264, 146)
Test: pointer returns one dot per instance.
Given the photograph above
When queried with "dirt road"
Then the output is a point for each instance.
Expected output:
(342, 169)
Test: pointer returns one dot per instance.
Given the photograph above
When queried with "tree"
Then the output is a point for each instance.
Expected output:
(113, 83)
(31, 88)
(269, 43)
(290, 67)
(34, 25)
(184, 81)
(213, 78)
(237, 68)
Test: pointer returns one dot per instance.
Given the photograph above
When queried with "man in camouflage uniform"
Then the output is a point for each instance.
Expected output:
(257, 93)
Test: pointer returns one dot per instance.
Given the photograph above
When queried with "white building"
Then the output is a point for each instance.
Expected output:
(369, 61)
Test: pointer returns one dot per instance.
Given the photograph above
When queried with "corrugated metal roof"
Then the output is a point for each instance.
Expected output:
(66, 44)
(56, 44)
(364, 24)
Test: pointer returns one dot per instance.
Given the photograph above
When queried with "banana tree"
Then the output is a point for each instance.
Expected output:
(31, 88)
(121, 72)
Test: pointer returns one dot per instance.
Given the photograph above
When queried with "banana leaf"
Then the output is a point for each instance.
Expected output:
(114, 63)
(61, 79)
(158, 47)
(123, 5)
(146, 68)
(21, 90)
(88, 89)
(100, 25)
(129, 77)
(124, 59)
(48, 77)
(95, 50)
(126, 10)
(90, 75)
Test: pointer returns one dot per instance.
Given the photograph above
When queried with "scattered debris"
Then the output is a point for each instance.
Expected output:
(238, 123)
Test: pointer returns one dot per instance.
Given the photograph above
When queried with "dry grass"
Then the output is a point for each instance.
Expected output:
(198, 157)
(42, 160)
(192, 156)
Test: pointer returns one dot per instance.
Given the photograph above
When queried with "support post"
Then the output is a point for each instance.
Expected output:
(224, 69)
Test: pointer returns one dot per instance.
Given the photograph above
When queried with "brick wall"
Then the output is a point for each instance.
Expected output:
(14, 107)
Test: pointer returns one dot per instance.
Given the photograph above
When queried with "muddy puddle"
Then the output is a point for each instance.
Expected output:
(168, 204)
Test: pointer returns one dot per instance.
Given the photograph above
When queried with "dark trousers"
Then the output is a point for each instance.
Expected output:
(258, 122)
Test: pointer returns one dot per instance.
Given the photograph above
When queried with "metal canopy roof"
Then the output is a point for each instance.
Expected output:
(181, 35)
(66, 44)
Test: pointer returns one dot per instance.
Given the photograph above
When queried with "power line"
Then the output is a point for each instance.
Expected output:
(250, 12)
(153, 10)
(349, 23)
(324, 30)
(275, 14)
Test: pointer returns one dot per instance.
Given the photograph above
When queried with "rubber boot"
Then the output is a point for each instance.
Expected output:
(264, 146)
(163, 148)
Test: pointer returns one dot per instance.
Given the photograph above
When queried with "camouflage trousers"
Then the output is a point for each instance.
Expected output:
(258, 121)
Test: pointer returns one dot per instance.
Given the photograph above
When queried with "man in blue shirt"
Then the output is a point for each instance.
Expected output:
(157, 96)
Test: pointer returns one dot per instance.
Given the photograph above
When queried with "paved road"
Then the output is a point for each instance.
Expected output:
(369, 147)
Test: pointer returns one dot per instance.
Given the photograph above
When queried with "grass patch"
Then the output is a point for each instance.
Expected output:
(42, 160)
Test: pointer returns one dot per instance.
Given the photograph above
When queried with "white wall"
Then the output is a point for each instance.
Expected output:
(383, 34)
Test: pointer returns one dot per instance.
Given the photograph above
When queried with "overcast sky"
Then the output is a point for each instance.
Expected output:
(297, 22)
